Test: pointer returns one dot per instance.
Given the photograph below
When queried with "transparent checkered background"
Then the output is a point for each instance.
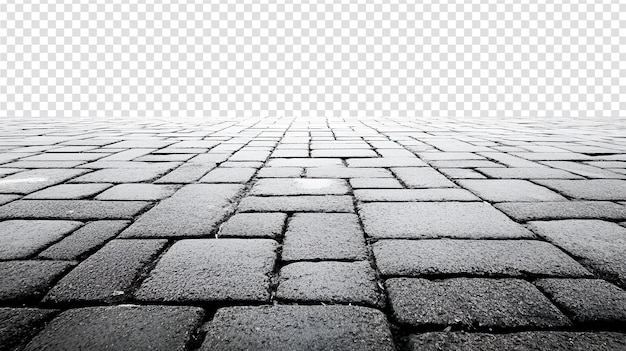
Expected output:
(333, 58)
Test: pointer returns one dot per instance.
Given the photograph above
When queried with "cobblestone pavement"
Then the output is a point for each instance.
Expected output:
(313, 234)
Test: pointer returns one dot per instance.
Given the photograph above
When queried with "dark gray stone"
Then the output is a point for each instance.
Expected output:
(68, 191)
(23, 238)
(292, 328)
(72, 209)
(328, 203)
(528, 211)
(145, 192)
(19, 325)
(30, 181)
(26, 281)
(262, 225)
(508, 190)
(122, 175)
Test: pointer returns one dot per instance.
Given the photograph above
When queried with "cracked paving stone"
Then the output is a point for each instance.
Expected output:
(509, 190)
(438, 219)
(246, 225)
(524, 341)
(312, 328)
(475, 303)
(72, 209)
(142, 192)
(328, 203)
(126, 327)
(30, 181)
(334, 282)
(528, 211)
(106, 275)
(19, 325)
(69, 191)
(592, 189)
(512, 258)
(294, 186)
(422, 177)
(587, 301)
(26, 281)
(323, 236)
(23, 238)
(212, 270)
(194, 210)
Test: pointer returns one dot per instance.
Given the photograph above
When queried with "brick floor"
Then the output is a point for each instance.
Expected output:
(312, 234)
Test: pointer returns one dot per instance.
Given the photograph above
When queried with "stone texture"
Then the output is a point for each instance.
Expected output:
(122, 175)
(347, 172)
(593, 189)
(507, 190)
(145, 192)
(127, 327)
(524, 341)
(529, 211)
(435, 220)
(106, 275)
(229, 175)
(475, 303)
(30, 181)
(323, 236)
(5, 199)
(19, 325)
(281, 172)
(598, 245)
(72, 209)
(528, 173)
(212, 270)
(375, 183)
(293, 186)
(587, 301)
(513, 258)
(246, 225)
(26, 281)
(326, 203)
(313, 328)
(21, 239)
(414, 195)
(333, 282)
(422, 177)
(194, 210)
(343, 153)
(69, 191)
(385, 162)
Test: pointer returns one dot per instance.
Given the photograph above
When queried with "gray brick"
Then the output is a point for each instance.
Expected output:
(229, 175)
(145, 192)
(588, 301)
(318, 236)
(245, 225)
(435, 220)
(584, 170)
(5, 199)
(106, 275)
(461, 173)
(513, 258)
(294, 186)
(334, 282)
(20, 239)
(250, 155)
(312, 328)
(414, 195)
(528, 173)
(84, 240)
(125, 327)
(72, 209)
(122, 175)
(69, 191)
(64, 156)
(27, 281)
(422, 177)
(511, 161)
(191, 170)
(552, 156)
(328, 203)
(598, 245)
(212, 270)
(507, 190)
(375, 183)
(343, 153)
(19, 325)
(194, 210)
(440, 156)
(347, 172)
(386, 162)
(141, 143)
(304, 162)
(475, 303)
(30, 181)
(281, 172)
(127, 155)
(593, 189)
(529, 211)
(464, 164)
(454, 145)
(524, 341)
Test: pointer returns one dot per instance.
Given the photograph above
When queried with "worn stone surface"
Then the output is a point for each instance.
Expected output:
(212, 270)
(23, 238)
(72, 209)
(32, 180)
(194, 210)
(530, 211)
(507, 190)
(328, 203)
(293, 186)
(69, 191)
(422, 177)
(414, 195)
(299, 328)
(19, 325)
(125, 327)
(347, 172)
(84, 240)
(229, 175)
(528, 173)
(435, 220)
(27, 281)
(263, 225)
(474, 303)
(375, 183)
(145, 192)
(513, 258)
(592, 189)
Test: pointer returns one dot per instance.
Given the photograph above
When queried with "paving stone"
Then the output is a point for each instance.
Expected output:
(343, 153)
(461, 173)
(436, 220)
(124, 327)
(20, 238)
(598, 245)
(440, 156)
(323, 236)
(552, 156)
(507, 190)
(528, 173)
(30, 181)
(422, 177)
(281, 172)
(593, 189)
(127, 155)
(194, 210)
(7, 171)
(328, 203)
(27, 281)
(530, 211)
(347, 172)
(84, 240)
(474, 303)
(584, 170)
(67, 156)
(229, 175)
(145, 192)
(464, 164)
(165, 158)
(191, 170)
(121, 175)
(108, 274)
(293, 186)
(69, 191)
(512, 258)
(375, 183)
(246, 225)
(414, 195)
(304, 162)
(386, 162)
(588, 301)
(5, 199)
(454, 145)
(290, 153)
(334, 282)
(312, 328)
(511, 161)
(252, 155)
(141, 143)
(212, 270)
(19, 325)
(72, 209)
(524, 341)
